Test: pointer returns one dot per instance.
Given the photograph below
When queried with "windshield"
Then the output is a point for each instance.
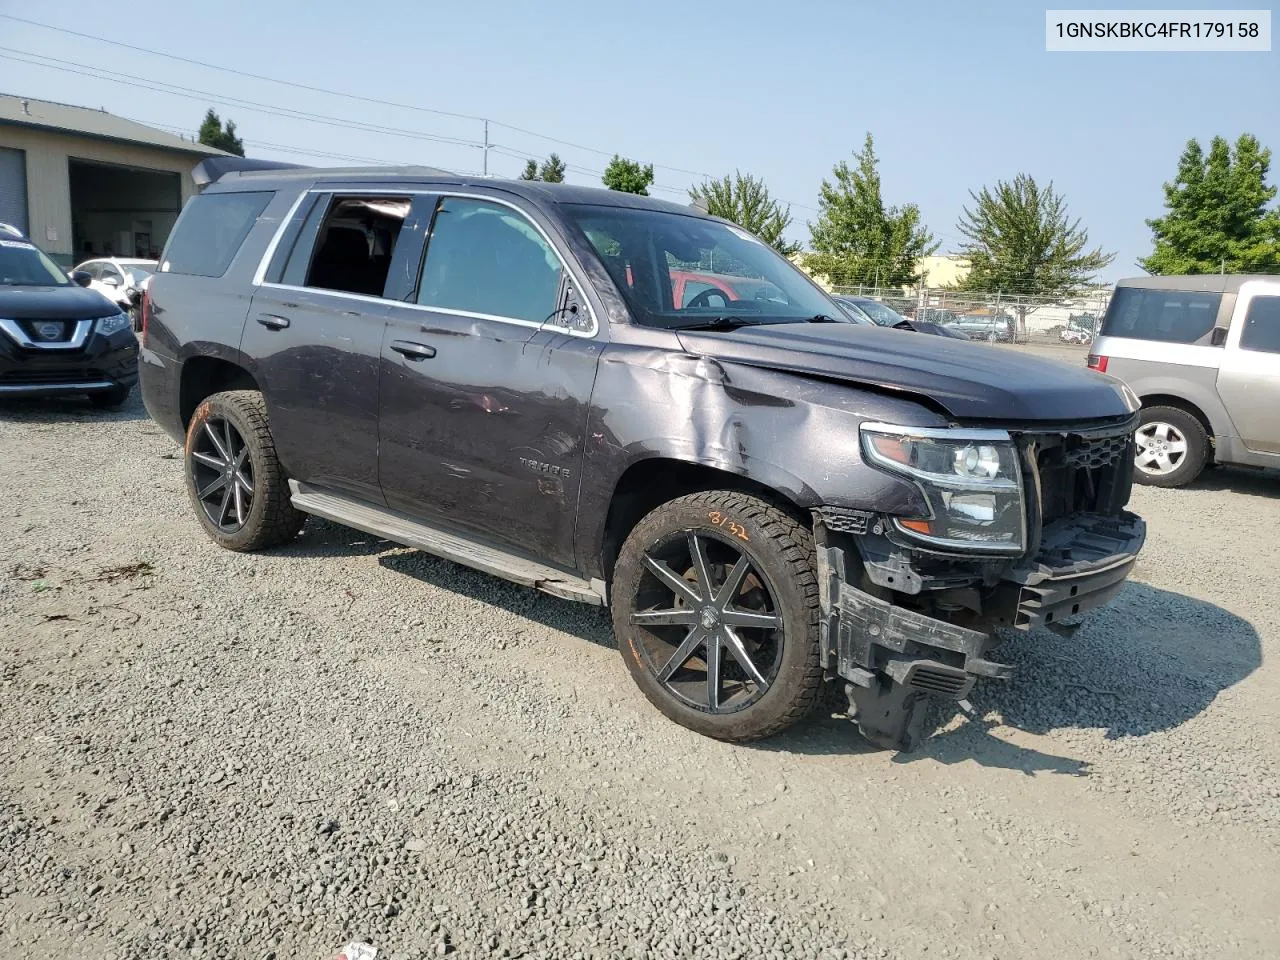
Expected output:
(23, 264)
(878, 312)
(136, 273)
(723, 272)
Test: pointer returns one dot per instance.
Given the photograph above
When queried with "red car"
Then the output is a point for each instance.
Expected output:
(717, 289)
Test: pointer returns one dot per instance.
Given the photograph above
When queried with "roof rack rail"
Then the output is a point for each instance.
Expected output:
(213, 169)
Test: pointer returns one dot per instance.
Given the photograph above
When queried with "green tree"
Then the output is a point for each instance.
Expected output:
(552, 170)
(530, 170)
(857, 239)
(1217, 219)
(1020, 240)
(628, 176)
(746, 201)
(213, 134)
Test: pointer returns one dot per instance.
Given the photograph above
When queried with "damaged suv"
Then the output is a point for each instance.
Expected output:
(768, 500)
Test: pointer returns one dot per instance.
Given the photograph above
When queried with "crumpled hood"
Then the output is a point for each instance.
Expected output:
(970, 381)
(71, 302)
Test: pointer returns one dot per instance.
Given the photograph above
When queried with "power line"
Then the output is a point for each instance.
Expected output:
(159, 86)
(332, 93)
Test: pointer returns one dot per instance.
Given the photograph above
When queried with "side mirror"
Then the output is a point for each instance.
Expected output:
(111, 281)
(1219, 337)
(82, 278)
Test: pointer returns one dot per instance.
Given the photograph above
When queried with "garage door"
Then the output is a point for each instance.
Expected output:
(13, 188)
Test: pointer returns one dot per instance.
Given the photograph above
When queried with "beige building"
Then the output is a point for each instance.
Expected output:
(943, 270)
(84, 183)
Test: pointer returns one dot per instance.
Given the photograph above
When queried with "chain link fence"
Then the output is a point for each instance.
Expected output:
(997, 316)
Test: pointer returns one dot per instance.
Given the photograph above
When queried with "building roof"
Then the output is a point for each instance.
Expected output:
(86, 122)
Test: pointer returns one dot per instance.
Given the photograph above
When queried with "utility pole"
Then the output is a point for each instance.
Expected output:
(486, 148)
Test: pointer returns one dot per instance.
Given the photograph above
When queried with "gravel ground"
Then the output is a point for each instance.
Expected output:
(208, 754)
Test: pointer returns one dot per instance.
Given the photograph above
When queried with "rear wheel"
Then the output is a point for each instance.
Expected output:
(234, 479)
(1172, 447)
(715, 607)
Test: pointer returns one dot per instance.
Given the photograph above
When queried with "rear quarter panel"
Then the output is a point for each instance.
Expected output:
(1186, 371)
(201, 316)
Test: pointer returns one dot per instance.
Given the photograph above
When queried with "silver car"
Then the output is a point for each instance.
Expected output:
(1203, 354)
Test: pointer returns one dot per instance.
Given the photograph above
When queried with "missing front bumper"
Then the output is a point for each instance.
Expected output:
(892, 657)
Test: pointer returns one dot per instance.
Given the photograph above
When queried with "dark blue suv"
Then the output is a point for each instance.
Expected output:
(56, 337)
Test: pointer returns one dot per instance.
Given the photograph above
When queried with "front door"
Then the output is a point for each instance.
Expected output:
(484, 393)
(1249, 377)
(317, 335)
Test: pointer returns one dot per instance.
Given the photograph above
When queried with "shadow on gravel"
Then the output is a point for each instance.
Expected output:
(1147, 663)
(69, 409)
(1257, 483)
(590, 623)
(322, 539)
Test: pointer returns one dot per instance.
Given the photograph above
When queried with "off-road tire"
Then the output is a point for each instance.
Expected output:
(271, 519)
(111, 399)
(779, 548)
(1197, 455)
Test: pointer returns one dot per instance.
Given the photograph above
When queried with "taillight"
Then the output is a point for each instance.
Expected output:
(146, 313)
(1097, 362)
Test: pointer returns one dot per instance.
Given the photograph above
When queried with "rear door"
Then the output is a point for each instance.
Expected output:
(484, 392)
(1249, 378)
(315, 331)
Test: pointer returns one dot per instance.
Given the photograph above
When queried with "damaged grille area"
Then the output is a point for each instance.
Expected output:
(1086, 472)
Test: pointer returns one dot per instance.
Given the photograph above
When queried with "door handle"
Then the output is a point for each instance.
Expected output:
(413, 351)
(272, 322)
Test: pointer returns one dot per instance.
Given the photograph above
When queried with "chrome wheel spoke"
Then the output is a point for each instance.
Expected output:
(678, 585)
(238, 496)
(698, 554)
(692, 642)
(213, 463)
(713, 672)
(222, 509)
(738, 650)
(673, 617)
(214, 487)
(217, 443)
(733, 583)
(751, 618)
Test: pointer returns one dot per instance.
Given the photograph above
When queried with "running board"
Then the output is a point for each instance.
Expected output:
(382, 522)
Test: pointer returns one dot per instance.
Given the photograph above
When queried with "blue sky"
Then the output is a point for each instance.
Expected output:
(956, 95)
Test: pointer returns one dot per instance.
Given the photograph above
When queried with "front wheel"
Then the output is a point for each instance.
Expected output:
(715, 607)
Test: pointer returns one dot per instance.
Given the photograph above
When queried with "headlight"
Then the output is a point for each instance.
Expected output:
(113, 323)
(971, 480)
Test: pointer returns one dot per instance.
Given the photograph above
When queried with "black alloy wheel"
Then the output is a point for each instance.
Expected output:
(717, 635)
(222, 474)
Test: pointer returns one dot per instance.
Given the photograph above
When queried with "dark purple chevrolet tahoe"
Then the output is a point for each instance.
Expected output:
(768, 499)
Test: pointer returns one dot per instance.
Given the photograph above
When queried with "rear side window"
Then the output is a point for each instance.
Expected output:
(355, 238)
(1262, 326)
(1170, 316)
(210, 231)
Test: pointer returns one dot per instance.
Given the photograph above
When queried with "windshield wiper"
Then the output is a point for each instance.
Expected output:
(824, 318)
(723, 323)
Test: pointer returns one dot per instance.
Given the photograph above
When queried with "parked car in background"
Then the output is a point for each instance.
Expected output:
(56, 336)
(718, 289)
(1202, 353)
(502, 373)
(978, 326)
(120, 279)
(868, 310)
